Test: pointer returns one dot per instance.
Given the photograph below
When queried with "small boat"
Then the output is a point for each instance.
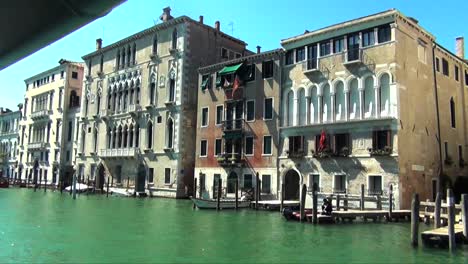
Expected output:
(223, 203)
(80, 187)
(4, 183)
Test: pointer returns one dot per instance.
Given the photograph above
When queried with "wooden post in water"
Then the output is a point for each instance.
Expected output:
(61, 186)
(112, 181)
(338, 202)
(71, 184)
(414, 220)
(345, 202)
(379, 202)
(74, 187)
(362, 197)
(128, 183)
(282, 198)
(390, 203)
(451, 218)
(237, 194)
(257, 190)
(314, 203)
(218, 199)
(194, 191)
(107, 193)
(303, 199)
(464, 210)
(437, 211)
(45, 183)
(87, 186)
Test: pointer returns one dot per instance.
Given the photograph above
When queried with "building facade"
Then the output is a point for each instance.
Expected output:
(137, 117)
(51, 105)
(238, 124)
(9, 124)
(361, 103)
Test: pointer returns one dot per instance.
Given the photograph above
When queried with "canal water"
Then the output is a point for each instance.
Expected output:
(49, 227)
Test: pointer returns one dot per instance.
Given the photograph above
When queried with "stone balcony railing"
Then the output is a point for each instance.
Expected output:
(41, 114)
(37, 145)
(119, 153)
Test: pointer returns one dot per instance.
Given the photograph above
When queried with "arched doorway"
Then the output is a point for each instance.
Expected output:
(231, 182)
(291, 185)
(140, 179)
(100, 177)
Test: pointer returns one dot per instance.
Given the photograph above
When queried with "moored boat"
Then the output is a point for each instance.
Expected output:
(223, 203)
(4, 183)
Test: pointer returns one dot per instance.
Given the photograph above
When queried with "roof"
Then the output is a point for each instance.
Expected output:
(62, 64)
(154, 29)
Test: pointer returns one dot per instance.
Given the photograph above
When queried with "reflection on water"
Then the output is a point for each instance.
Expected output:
(48, 227)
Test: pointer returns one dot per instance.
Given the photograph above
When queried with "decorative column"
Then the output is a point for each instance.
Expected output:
(128, 137)
(112, 142)
(377, 101)
(332, 102)
(295, 110)
(361, 102)
(393, 28)
(122, 138)
(134, 136)
(307, 120)
(376, 36)
(319, 108)
(346, 105)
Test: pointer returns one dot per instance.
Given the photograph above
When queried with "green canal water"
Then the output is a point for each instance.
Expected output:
(48, 227)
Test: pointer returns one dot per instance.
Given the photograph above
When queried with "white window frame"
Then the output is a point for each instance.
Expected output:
(214, 147)
(375, 175)
(271, 146)
(245, 146)
(261, 189)
(207, 116)
(247, 109)
(272, 107)
(206, 148)
(346, 181)
(222, 115)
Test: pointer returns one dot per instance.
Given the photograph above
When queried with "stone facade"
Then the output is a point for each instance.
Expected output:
(138, 123)
(49, 123)
(237, 128)
(9, 124)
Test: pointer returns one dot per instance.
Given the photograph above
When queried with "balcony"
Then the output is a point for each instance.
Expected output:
(297, 154)
(41, 114)
(230, 160)
(353, 57)
(105, 113)
(37, 145)
(134, 108)
(119, 153)
(311, 66)
(235, 125)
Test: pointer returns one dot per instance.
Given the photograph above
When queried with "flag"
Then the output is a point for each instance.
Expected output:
(323, 138)
(226, 83)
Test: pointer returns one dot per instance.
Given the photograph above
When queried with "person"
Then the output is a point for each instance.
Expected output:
(326, 207)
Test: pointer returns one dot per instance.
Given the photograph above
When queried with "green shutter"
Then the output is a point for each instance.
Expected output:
(230, 69)
(205, 82)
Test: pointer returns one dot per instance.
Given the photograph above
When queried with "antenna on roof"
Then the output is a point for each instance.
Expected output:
(231, 24)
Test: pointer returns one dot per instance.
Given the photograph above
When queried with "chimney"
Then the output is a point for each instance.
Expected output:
(201, 20)
(98, 44)
(258, 49)
(217, 26)
(166, 15)
(460, 47)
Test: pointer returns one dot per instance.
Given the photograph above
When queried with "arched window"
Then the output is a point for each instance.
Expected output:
(171, 90)
(125, 137)
(452, 113)
(313, 105)
(302, 107)
(326, 104)
(109, 142)
(117, 60)
(290, 108)
(152, 92)
(83, 138)
(119, 137)
(137, 136)
(339, 101)
(385, 103)
(98, 103)
(134, 54)
(155, 45)
(95, 139)
(354, 105)
(130, 136)
(149, 135)
(174, 39)
(170, 133)
(123, 58)
(369, 97)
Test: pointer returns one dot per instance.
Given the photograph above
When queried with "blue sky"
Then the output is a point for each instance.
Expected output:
(257, 22)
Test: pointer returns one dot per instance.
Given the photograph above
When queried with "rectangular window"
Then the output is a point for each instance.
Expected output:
(268, 109)
(250, 116)
(248, 181)
(267, 145)
(452, 113)
(167, 175)
(338, 45)
(70, 131)
(446, 150)
(382, 140)
(445, 67)
(267, 69)
(204, 117)
(341, 144)
(422, 53)
(466, 78)
(300, 54)
(375, 185)
(150, 175)
(289, 57)
(457, 74)
(218, 145)
(368, 38)
(68, 156)
(339, 183)
(62, 74)
(249, 145)
(296, 145)
(384, 34)
(224, 53)
(251, 72)
(266, 183)
(203, 148)
(325, 48)
(314, 178)
(219, 114)
(437, 64)
(74, 75)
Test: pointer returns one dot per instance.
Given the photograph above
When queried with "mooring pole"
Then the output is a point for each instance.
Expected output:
(345, 202)
(414, 220)
(71, 184)
(74, 186)
(437, 211)
(128, 182)
(194, 191)
(237, 194)
(282, 198)
(390, 203)
(362, 197)
(303, 199)
(451, 218)
(338, 202)
(314, 203)
(257, 190)
(107, 193)
(112, 182)
(61, 186)
(379, 202)
(464, 208)
(45, 183)
(218, 199)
